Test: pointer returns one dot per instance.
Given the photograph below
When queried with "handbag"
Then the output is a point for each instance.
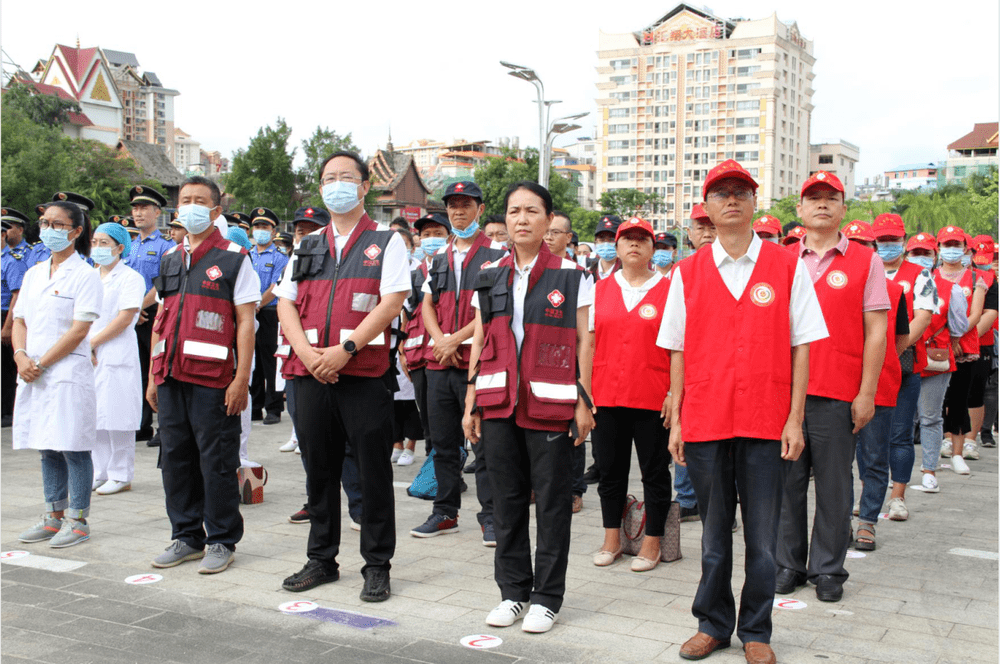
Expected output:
(425, 484)
(938, 360)
(252, 481)
(633, 529)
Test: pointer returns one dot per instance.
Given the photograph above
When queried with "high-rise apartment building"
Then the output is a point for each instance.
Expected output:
(694, 89)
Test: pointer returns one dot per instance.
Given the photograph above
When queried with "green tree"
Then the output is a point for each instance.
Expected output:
(47, 110)
(316, 149)
(33, 159)
(262, 175)
(584, 222)
(627, 202)
(500, 172)
(983, 194)
(101, 174)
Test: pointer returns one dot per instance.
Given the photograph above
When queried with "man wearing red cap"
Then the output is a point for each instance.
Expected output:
(737, 402)
(985, 259)
(768, 228)
(843, 377)
(794, 236)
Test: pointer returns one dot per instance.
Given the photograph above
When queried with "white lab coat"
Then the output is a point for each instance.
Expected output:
(118, 377)
(57, 411)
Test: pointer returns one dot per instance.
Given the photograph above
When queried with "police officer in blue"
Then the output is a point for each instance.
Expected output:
(269, 263)
(36, 251)
(12, 269)
(147, 250)
(241, 219)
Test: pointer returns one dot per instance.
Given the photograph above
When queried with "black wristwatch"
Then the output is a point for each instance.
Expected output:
(351, 347)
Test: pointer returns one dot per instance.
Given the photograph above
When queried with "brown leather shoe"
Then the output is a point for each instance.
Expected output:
(758, 653)
(701, 645)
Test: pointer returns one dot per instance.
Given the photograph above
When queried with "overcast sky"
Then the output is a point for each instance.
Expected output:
(900, 80)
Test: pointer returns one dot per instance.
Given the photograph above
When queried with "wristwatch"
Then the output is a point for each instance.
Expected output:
(350, 347)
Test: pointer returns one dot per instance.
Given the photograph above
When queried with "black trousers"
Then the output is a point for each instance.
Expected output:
(956, 399)
(829, 453)
(262, 392)
(446, 389)
(612, 439)
(522, 461)
(199, 455)
(143, 334)
(419, 379)
(8, 374)
(718, 470)
(357, 411)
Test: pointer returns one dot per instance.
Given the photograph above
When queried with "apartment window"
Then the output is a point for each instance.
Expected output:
(747, 156)
(618, 129)
(746, 53)
(744, 87)
(621, 80)
(618, 113)
(621, 96)
(625, 63)
(746, 71)
(618, 161)
(826, 159)
(747, 122)
(748, 105)
(747, 139)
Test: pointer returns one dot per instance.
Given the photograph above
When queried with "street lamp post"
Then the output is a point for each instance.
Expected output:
(562, 125)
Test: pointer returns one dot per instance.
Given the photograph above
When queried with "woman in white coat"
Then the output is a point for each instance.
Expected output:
(55, 403)
(115, 355)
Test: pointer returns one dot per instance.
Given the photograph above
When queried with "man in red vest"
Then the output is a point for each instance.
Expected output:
(843, 378)
(738, 402)
(199, 380)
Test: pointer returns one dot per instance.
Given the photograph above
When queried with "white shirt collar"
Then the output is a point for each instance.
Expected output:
(719, 254)
(523, 271)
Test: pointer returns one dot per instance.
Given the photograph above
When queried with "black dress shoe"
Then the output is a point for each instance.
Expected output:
(154, 441)
(376, 585)
(829, 588)
(143, 434)
(592, 476)
(787, 580)
(470, 467)
(272, 418)
(313, 574)
(8, 420)
(256, 416)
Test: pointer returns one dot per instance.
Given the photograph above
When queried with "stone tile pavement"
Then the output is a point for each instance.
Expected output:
(914, 600)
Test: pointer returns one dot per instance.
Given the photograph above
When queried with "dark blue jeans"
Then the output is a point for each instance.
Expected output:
(682, 485)
(901, 451)
(873, 462)
(718, 470)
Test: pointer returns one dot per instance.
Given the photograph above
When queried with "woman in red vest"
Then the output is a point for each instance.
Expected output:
(529, 401)
(631, 383)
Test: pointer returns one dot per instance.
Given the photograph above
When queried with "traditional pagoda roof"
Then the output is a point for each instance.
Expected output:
(390, 167)
(78, 119)
(77, 59)
(154, 162)
(983, 136)
(119, 58)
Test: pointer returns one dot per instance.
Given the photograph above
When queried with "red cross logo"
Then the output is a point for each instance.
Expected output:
(459, 187)
(373, 251)
(556, 298)
(213, 272)
(309, 212)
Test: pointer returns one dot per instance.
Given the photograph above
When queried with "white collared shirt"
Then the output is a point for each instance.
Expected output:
(631, 295)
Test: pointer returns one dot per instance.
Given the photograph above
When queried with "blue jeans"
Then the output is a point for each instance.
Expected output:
(901, 430)
(683, 487)
(66, 481)
(873, 462)
(932, 391)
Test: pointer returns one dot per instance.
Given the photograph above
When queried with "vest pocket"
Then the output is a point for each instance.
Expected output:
(552, 401)
(203, 359)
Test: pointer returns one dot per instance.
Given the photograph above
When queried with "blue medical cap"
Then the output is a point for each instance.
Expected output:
(117, 233)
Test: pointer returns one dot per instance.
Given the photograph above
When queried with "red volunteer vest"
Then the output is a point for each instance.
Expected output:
(415, 346)
(630, 370)
(906, 276)
(836, 363)
(937, 335)
(334, 297)
(967, 282)
(453, 301)
(539, 388)
(197, 323)
(737, 383)
(891, 376)
(988, 277)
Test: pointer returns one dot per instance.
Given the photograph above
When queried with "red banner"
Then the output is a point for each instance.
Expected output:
(411, 214)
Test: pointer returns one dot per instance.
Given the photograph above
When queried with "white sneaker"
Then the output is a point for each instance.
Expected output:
(507, 613)
(290, 446)
(930, 484)
(97, 484)
(396, 453)
(298, 450)
(959, 466)
(945, 449)
(897, 510)
(113, 486)
(406, 458)
(538, 620)
(355, 526)
(970, 451)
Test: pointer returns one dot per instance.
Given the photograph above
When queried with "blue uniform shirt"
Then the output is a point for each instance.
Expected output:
(12, 269)
(146, 254)
(268, 264)
(33, 253)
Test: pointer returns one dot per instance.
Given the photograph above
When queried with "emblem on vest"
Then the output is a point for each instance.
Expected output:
(905, 285)
(213, 272)
(209, 320)
(555, 298)
(762, 294)
(647, 311)
(371, 252)
(836, 279)
(967, 292)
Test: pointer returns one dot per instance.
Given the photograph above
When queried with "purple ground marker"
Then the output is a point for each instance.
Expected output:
(349, 618)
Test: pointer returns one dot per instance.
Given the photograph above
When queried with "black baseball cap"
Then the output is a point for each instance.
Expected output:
(463, 188)
(665, 238)
(433, 218)
(318, 216)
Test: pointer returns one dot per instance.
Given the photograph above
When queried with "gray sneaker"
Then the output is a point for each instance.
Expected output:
(177, 553)
(217, 559)
(72, 532)
(46, 528)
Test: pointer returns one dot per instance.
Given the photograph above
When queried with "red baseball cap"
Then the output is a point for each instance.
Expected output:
(767, 224)
(952, 233)
(984, 257)
(794, 235)
(698, 213)
(859, 230)
(822, 177)
(983, 242)
(727, 169)
(922, 241)
(889, 225)
(635, 223)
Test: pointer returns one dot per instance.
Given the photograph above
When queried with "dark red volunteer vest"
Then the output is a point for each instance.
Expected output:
(967, 282)
(541, 378)
(737, 353)
(415, 345)
(836, 363)
(197, 324)
(334, 297)
(595, 269)
(906, 277)
(453, 301)
(891, 376)
(630, 370)
(937, 335)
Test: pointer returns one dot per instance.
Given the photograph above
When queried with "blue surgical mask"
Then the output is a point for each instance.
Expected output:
(432, 245)
(468, 231)
(418, 253)
(890, 251)
(341, 197)
(103, 255)
(966, 260)
(951, 254)
(195, 218)
(569, 253)
(662, 257)
(774, 240)
(606, 250)
(55, 240)
(262, 237)
(926, 262)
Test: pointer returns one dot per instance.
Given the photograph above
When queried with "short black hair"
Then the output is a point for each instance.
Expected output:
(400, 221)
(204, 181)
(495, 219)
(407, 235)
(533, 187)
(789, 226)
(362, 166)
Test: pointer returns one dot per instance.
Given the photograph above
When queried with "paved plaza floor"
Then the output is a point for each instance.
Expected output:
(927, 595)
